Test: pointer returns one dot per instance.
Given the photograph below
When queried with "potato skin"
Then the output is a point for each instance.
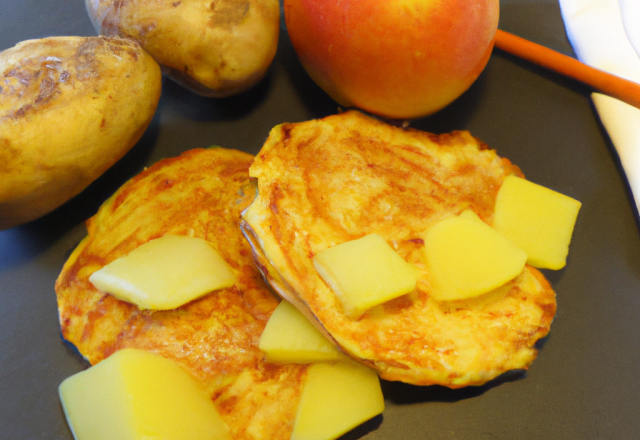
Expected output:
(70, 107)
(214, 48)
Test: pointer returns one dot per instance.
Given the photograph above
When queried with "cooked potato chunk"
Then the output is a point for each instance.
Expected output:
(165, 273)
(336, 398)
(364, 273)
(467, 257)
(70, 107)
(537, 219)
(135, 394)
(215, 48)
(289, 337)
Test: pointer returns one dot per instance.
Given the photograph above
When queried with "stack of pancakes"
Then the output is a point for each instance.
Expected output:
(313, 185)
(200, 193)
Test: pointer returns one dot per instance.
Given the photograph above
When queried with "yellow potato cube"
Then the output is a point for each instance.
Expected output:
(139, 395)
(289, 337)
(165, 273)
(364, 273)
(336, 398)
(538, 219)
(466, 257)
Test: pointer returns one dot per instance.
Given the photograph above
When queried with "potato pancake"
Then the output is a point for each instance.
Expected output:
(200, 193)
(328, 181)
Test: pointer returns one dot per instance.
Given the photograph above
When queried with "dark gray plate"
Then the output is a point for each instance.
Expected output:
(585, 382)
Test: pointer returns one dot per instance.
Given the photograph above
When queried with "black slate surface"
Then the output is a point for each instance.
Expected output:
(584, 384)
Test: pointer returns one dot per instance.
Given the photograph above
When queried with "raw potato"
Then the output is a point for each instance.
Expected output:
(70, 107)
(215, 48)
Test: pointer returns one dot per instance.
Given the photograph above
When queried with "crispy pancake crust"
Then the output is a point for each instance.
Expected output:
(200, 193)
(327, 181)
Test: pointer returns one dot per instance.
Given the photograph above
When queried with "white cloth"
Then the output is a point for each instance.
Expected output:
(597, 34)
(631, 19)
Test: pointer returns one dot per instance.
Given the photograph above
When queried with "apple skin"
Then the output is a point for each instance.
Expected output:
(399, 59)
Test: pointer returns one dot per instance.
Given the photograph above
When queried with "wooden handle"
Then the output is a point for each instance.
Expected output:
(603, 82)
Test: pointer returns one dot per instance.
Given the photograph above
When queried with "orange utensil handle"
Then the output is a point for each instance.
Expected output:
(603, 82)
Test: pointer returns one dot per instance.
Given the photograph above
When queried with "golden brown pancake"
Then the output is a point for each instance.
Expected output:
(200, 193)
(327, 181)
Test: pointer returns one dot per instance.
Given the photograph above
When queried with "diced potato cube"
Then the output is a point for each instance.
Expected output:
(364, 273)
(165, 273)
(538, 219)
(466, 257)
(139, 395)
(289, 337)
(336, 398)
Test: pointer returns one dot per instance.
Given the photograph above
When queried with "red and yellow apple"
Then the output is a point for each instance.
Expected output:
(399, 59)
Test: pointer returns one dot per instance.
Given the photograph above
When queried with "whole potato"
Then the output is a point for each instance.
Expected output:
(214, 48)
(70, 107)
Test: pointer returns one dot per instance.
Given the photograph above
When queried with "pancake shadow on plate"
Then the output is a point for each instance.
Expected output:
(401, 393)
(363, 429)
(554, 276)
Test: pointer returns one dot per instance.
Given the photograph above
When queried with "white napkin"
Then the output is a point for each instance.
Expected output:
(631, 19)
(598, 37)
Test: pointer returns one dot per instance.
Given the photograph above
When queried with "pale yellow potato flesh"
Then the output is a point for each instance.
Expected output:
(336, 398)
(466, 257)
(216, 49)
(135, 394)
(165, 273)
(289, 337)
(70, 107)
(364, 273)
(537, 219)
